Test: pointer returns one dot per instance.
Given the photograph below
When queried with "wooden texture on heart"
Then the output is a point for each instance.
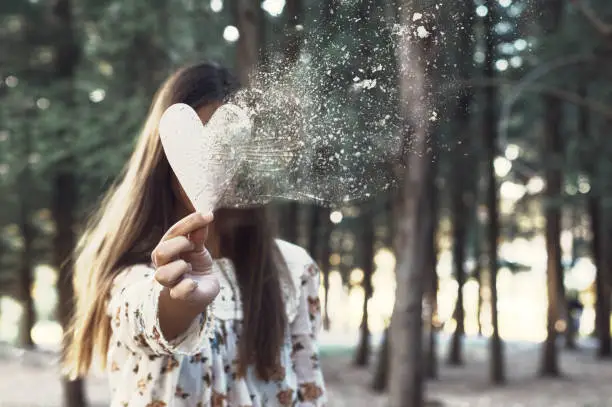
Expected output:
(205, 158)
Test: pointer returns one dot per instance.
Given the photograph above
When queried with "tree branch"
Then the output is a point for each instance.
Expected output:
(591, 15)
(596, 106)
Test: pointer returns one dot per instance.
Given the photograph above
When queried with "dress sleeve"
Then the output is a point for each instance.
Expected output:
(133, 308)
(304, 333)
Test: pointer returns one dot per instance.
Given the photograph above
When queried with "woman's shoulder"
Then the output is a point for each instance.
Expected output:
(293, 254)
(301, 268)
(299, 262)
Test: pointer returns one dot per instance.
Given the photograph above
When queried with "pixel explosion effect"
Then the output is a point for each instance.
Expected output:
(312, 147)
(327, 130)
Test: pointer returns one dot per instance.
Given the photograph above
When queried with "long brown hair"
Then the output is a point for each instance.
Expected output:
(132, 218)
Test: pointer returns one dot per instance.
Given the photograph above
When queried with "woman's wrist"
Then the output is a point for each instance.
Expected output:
(175, 316)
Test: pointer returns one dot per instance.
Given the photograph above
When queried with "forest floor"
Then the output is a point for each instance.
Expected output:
(30, 380)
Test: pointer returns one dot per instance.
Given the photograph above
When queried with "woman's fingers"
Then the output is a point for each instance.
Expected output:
(169, 250)
(169, 274)
(183, 290)
(188, 224)
(201, 261)
(198, 238)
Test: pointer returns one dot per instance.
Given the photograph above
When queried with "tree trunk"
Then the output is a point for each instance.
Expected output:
(292, 47)
(290, 228)
(553, 149)
(602, 288)
(25, 279)
(293, 30)
(67, 53)
(554, 152)
(599, 241)
(362, 355)
(325, 255)
(381, 376)
(26, 264)
(431, 361)
(497, 371)
(478, 276)
(478, 272)
(383, 362)
(571, 333)
(248, 19)
(455, 356)
(320, 250)
(460, 218)
(460, 190)
(406, 386)
(63, 209)
(315, 233)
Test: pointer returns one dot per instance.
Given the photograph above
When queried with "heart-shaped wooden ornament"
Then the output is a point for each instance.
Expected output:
(205, 158)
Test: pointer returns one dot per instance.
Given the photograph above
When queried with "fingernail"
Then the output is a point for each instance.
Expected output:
(194, 285)
(206, 215)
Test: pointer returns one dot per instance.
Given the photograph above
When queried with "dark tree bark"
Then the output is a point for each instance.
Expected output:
(320, 250)
(63, 208)
(368, 114)
(291, 221)
(599, 242)
(25, 281)
(381, 375)
(554, 152)
(314, 237)
(67, 54)
(26, 262)
(431, 294)
(497, 371)
(571, 333)
(325, 255)
(406, 385)
(477, 254)
(293, 31)
(602, 286)
(459, 214)
(248, 17)
(292, 47)
(460, 159)
(362, 355)
(479, 279)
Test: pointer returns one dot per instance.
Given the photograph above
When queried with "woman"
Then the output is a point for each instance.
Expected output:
(172, 326)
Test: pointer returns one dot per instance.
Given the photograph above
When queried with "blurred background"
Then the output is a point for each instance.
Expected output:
(497, 240)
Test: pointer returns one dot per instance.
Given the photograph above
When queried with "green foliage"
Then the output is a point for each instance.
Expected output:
(127, 48)
(126, 51)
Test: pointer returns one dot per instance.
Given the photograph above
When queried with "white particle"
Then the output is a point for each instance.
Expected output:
(422, 32)
(216, 5)
(231, 34)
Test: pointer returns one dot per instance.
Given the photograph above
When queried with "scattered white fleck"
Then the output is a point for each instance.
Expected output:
(422, 32)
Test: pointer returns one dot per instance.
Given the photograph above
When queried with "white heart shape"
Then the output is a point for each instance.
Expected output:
(204, 158)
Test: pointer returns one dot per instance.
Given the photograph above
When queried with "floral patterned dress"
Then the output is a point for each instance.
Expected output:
(197, 369)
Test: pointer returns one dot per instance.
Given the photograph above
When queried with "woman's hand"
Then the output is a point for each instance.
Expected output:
(184, 267)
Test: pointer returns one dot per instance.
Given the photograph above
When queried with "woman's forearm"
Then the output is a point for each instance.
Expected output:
(175, 316)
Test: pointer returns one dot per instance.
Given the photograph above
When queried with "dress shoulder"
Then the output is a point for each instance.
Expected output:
(300, 266)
